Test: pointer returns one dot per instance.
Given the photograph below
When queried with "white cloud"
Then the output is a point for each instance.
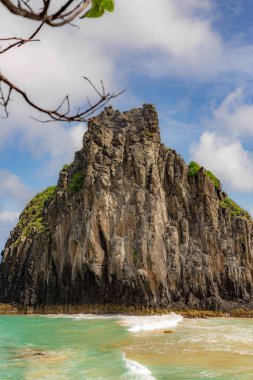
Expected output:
(229, 161)
(175, 33)
(222, 148)
(12, 187)
(61, 146)
(235, 114)
(76, 134)
(8, 216)
(170, 37)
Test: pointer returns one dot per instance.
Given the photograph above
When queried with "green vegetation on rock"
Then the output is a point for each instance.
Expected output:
(149, 134)
(65, 167)
(235, 209)
(194, 168)
(214, 179)
(32, 218)
(228, 203)
(76, 182)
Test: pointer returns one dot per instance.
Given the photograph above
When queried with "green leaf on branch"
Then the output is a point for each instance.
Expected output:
(108, 5)
(95, 12)
(99, 7)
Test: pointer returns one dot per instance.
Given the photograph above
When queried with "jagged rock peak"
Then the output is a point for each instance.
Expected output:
(130, 224)
(143, 121)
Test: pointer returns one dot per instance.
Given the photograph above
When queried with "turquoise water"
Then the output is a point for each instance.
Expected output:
(120, 347)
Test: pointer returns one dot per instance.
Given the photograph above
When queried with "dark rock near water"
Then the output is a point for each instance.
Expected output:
(135, 229)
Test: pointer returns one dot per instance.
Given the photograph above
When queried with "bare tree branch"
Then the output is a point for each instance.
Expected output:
(57, 19)
(57, 114)
(20, 41)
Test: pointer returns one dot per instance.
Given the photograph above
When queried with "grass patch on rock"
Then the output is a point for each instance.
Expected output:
(194, 168)
(214, 179)
(32, 219)
(227, 203)
(235, 209)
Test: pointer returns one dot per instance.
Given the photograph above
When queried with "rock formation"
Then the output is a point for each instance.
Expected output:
(127, 225)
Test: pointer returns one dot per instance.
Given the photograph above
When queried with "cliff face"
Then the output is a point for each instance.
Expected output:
(127, 225)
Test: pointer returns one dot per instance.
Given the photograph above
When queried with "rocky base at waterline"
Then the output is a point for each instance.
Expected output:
(130, 224)
(233, 312)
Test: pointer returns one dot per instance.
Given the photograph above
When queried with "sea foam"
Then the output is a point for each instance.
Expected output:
(137, 370)
(151, 323)
(81, 316)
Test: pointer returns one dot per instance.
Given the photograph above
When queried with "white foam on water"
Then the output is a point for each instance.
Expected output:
(151, 323)
(81, 316)
(137, 370)
(210, 374)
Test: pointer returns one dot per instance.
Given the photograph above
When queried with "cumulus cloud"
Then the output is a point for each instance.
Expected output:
(221, 149)
(12, 187)
(175, 34)
(8, 216)
(168, 37)
(235, 114)
(76, 134)
(227, 159)
(62, 143)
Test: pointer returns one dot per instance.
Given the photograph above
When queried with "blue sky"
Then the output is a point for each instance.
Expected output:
(193, 59)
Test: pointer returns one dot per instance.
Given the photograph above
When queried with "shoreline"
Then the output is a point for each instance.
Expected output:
(8, 309)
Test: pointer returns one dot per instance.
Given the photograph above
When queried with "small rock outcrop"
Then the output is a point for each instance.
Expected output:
(127, 225)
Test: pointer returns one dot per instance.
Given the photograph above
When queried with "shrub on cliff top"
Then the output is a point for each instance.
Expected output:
(194, 168)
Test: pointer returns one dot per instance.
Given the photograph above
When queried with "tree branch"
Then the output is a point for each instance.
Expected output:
(57, 114)
(57, 19)
(20, 41)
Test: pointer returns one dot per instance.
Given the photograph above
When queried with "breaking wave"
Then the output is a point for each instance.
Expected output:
(137, 370)
(82, 316)
(151, 323)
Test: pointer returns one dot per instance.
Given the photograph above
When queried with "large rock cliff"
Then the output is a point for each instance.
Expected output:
(128, 225)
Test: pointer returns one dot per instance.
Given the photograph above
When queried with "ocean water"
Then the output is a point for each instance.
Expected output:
(125, 347)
